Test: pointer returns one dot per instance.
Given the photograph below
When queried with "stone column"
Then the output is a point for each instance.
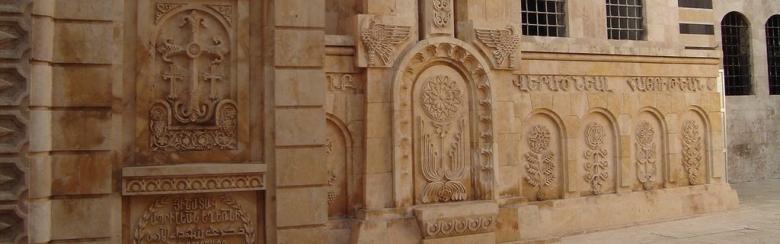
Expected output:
(72, 155)
(297, 120)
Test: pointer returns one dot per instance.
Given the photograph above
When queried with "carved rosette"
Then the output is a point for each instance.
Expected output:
(442, 101)
(596, 165)
(646, 155)
(503, 44)
(479, 147)
(693, 151)
(540, 161)
(192, 53)
(459, 226)
(381, 41)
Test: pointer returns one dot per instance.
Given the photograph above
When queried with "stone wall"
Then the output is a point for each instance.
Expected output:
(753, 123)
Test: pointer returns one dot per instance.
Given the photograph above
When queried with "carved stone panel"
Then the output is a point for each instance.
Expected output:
(195, 218)
(191, 95)
(542, 158)
(694, 154)
(598, 156)
(379, 42)
(442, 136)
(337, 152)
(438, 18)
(649, 152)
(502, 45)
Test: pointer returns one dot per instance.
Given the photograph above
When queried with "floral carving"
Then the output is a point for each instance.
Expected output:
(444, 174)
(540, 161)
(596, 165)
(192, 184)
(442, 13)
(331, 187)
(447, 227)
(381, 40)
(201, 119)
(693, 151)
(646, 155)
(165, 8)
(504, 44)
(442, 99)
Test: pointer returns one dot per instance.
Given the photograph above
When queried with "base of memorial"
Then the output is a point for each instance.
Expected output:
(552, 219)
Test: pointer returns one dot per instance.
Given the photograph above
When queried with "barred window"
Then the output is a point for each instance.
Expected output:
(544, 17)
(625, 20)
(773, 53)
(736, 54)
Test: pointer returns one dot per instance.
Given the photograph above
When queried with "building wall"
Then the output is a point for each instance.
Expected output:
(753, 121)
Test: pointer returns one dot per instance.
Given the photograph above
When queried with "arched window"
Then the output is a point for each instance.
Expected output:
(736, 54)
(544, 17)
(773, 53)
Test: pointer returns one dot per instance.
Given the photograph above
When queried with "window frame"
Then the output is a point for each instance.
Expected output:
(737, 58)
(639, 23)
(772, 28)
(561, 28)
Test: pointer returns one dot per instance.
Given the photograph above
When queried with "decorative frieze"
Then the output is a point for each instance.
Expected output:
(504, 44)
(155, 185)
(458, 226)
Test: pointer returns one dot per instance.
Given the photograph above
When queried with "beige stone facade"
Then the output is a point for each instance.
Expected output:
(350, 121)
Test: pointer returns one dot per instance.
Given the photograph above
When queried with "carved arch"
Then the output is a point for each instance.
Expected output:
(561, 152)
(474, 69)
(663, 155)
(349, 161)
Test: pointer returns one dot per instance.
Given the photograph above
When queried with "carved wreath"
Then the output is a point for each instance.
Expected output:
(442, 99)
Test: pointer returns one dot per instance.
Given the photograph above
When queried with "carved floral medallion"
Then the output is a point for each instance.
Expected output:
(442, 99)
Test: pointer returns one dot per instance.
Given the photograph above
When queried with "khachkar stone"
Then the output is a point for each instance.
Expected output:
(381, 42)
(646, 155)
(196, 114)
(200, 218)
(504, 45)
(444, 151)
(540, 161)
(693, 151)
(596, 165)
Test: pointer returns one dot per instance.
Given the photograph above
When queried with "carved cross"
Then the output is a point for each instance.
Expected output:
(213, 76)
(172, 77)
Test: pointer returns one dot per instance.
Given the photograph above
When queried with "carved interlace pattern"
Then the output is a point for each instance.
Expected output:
(165, 8)
(504, 44)
(646, 155)
(693, 151)
(596, 165)
(192, 184)
(442, 13)
(540, 161)
(459, 226)
(442, 99)
(381, 40)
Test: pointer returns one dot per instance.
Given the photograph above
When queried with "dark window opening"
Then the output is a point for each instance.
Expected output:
(625, 20)
(544, 17)
(773, 53)
(736, 54)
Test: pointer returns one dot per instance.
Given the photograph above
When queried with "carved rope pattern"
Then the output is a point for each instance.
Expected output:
(192, 184)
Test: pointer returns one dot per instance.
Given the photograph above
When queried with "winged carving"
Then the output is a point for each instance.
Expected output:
(381, 40)
(503, 42)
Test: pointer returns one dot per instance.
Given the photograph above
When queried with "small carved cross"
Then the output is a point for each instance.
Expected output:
(172, 77)
(213, 76)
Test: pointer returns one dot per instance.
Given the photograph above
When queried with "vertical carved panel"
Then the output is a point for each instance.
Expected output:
(649, 151)
(337, 159)
(189, 93)
(442, 128)
(14, 72)
(693, 153)
(542, 158)
(598, 155)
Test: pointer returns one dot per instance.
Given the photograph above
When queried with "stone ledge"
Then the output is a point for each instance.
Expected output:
(192, 178)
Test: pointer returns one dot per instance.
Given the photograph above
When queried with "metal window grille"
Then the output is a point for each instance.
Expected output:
(736, 54)
(773, 53)
(625, 20)
(544, 17)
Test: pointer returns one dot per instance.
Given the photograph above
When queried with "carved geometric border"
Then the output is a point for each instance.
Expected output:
(158, 185)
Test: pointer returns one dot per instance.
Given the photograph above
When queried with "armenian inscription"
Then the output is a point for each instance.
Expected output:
(196, 219)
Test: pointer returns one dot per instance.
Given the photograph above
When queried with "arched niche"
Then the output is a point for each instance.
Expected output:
(338, 149)
(442, 125)
(543, 155)
(695, 148)
(599, 153)
(650, 149)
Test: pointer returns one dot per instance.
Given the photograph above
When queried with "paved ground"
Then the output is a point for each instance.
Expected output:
(756, 221)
